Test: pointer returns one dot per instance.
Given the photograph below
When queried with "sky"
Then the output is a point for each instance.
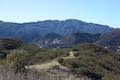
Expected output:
(106, 12)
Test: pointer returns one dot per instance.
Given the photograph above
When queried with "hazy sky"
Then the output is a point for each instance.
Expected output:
(97, 11)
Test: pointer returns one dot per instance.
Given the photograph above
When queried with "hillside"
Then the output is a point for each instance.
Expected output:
(110, 40)
(94, 61)
(77, 38)
(8, 45)
(82, 61)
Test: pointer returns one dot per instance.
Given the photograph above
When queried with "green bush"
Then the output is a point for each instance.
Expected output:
(17, 59)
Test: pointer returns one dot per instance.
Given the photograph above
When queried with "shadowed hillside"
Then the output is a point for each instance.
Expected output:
(110, 40)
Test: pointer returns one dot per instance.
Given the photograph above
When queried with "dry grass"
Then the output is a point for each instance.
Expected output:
(34, 75)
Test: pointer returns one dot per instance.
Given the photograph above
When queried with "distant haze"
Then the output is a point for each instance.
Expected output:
(104, 12)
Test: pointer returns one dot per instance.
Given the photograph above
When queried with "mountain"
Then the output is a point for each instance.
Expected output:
(68, 26)
(110, 40)
(33, 31)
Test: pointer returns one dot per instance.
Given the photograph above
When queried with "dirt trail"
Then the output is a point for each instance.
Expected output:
(45, 66)
(50, 64)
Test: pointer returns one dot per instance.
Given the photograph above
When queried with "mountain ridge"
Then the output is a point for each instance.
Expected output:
(53, 32)
(60, 27)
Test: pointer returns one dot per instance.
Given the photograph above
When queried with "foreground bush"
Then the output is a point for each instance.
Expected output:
(17, 59)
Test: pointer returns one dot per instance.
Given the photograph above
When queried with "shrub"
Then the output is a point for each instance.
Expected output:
(3, 55)
(17, 60)
(61, 60)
